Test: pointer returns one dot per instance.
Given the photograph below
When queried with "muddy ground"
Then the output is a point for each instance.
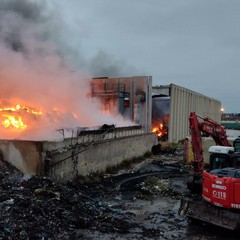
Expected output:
(140, 202)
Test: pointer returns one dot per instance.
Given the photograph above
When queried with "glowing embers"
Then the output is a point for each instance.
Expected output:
(14, 117)
(161, 130)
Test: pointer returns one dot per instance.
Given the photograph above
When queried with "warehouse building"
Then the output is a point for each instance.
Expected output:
(164, 109)
(182, 101)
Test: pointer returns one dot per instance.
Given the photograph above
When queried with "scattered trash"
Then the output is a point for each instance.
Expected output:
(137, 204)
(39, 209)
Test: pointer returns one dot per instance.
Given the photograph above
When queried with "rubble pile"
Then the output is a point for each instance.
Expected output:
(39, 209)
(114, 205)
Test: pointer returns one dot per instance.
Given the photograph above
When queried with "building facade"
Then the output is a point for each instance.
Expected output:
(182, 101)
(163, 109)
(129, 96)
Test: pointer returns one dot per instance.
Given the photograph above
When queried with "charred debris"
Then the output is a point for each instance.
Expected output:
(38, 208)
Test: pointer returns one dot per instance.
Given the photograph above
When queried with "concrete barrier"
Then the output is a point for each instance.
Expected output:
(24, 155)
(89, 152)
(86, 159)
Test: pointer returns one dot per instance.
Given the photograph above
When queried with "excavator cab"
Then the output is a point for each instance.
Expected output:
(219, 161)
(222, 181)
(222, 157)
(221, 187)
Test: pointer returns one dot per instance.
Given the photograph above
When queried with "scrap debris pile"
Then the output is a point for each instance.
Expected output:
(39, 209)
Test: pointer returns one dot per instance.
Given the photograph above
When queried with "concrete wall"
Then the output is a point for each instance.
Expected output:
(86, 159)
(24, 155)
(92, 151)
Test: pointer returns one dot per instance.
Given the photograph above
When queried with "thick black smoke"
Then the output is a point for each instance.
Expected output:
(50, 18)
(36, 69)
(25, 11)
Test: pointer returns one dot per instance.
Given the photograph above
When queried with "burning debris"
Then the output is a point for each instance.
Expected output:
(160, 116)
(14, 117)
(161, 130)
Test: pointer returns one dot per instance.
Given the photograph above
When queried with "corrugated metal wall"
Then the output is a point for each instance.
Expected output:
(182, 102)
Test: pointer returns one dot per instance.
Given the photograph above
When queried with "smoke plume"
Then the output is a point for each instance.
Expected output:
(34, 71)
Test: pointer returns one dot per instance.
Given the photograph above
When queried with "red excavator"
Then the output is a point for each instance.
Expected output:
(215, 186)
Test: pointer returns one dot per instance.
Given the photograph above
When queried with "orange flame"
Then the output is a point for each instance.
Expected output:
(12, 118)
(19, 107)
(11, 121)
(160, 130)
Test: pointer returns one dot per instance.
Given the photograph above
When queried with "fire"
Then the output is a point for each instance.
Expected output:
(18, 107)
(161, 130)
(11, 121)
(158, 130)
(13, 116)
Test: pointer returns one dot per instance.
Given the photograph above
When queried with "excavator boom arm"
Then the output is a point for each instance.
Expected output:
(215, 130)
(195, 131)
(209, 127)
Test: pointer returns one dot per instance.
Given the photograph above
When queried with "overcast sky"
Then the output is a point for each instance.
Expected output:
(191, 43)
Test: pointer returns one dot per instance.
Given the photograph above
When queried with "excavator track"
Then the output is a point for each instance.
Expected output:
(198, 209)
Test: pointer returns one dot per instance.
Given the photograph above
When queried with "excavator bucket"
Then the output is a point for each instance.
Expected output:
(198, 209)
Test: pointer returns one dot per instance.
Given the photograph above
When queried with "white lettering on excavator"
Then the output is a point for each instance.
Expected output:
(219, 187)
(235, 205)
(219, 194)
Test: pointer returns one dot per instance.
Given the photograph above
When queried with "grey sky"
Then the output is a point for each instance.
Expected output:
(191, 43)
